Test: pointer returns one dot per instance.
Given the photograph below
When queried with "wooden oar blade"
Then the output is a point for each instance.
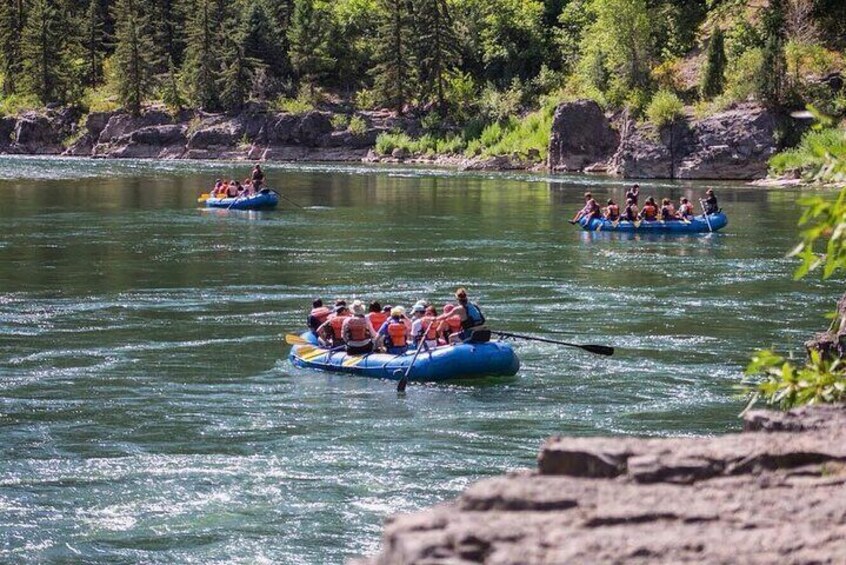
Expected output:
(598, 349)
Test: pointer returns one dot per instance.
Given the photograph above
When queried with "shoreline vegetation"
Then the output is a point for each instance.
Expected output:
(473, 83)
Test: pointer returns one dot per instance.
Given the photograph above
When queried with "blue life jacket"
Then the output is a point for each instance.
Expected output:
(474, 316)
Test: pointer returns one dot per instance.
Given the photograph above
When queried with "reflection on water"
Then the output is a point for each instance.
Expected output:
(148, 413)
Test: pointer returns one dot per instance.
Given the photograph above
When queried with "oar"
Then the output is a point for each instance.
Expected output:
(286, 199)
(598, 349)
(292, 339)
(203, 197)
(237, 198)
(705, 213)
(404, 380)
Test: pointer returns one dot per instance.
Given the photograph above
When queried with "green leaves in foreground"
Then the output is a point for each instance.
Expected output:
(819, 381)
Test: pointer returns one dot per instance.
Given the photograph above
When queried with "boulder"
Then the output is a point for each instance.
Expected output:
(96, 122)
(7, 131)
(223, 134)
(754, 497)
(282, 129)
(313, 127)
(581, 136)
(351, 140)
(149, 142)
(38, 134)
(120, 124)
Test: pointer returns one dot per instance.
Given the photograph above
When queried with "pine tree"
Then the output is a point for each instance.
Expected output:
(438, 53)
(772, 76)
(11, 26)
(713, 76)
(93, 41)
(201, 69)
(261, 40)
(134, 56)
(43, 50)
(236, 76)
(394, 62)
(170, 91)
(309, 40)
(167, 22)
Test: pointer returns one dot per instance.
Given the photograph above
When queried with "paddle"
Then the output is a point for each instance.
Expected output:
(203, 197)
(237, 198)
(705, 213)
(598, 349)
(286, 199)
(404, 380)
(292, 339)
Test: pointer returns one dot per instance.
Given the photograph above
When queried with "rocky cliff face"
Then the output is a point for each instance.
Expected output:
(773, 494)
(734, 144)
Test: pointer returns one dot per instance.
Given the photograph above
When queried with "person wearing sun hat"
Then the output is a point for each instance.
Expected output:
(395, 332)
(357, 332)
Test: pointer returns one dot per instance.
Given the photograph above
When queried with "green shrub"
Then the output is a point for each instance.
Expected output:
(742, 74)
(777, 382)
(387, 142)
(365, 99)
(357, 125)
(339, 121)
(665, 108)
(18, 103)
(297, 106)
(820, 156)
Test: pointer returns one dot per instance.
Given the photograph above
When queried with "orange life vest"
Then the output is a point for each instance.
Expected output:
(377, 319)
(398, 333)
(454, 324)
(320, 314)
(613, 211)
(429, 328)
(337, 323)
(355, 329)
(649, 211)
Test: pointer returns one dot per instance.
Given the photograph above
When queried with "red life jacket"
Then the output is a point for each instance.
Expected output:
(649, 212)
(320, 314)
(377, 319)
(398, 333)
(454, 324)
(355, 329)
(337, 324)
(613, 211)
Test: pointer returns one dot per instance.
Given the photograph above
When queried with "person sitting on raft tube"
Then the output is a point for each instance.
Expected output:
(423, 324)
(685, 209)
(331, 331)
(630, 212)
(376, 316)
(357, 333)
(710, 202)
(590, 210)
(449, 328)
(395, 332)
(668, 211)
(612, 211)
(649, 212)
(472, 319)
(234, 189)
(319, 313)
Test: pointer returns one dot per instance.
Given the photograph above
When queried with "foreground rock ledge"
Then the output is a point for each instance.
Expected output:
(773, 494)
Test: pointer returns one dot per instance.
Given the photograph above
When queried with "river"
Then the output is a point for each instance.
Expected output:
(148, 412)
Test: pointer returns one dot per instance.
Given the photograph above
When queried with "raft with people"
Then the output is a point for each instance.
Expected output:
(445, 362)
(265, 199)
(694, 224)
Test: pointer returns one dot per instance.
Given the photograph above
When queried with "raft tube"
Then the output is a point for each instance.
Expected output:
(463, 361)
(697, 224)
(264, 200)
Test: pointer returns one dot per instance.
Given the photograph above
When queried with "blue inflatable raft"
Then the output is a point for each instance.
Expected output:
(463, 361)
(264, 200)
(697, 224)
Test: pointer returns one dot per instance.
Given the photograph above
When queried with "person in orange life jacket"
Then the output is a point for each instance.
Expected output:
(330, 331)
(685, 209)
(612, 212)
(469, 313)
(589, 211)
(649, 212)
(668, 212)
(231, 189)
(218, 189)
(630, 212)
(427, 328)
(395, 332)
(317, 316)
(357, 332)
(449, 327)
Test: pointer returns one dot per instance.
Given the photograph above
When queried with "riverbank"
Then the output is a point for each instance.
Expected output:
(735, 144)
(774, 493)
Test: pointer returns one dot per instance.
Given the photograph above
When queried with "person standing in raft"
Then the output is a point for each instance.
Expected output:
(710, 202)
(633, 193)
(472, 319)
(258, 178)
(590, 211)
(357, 332)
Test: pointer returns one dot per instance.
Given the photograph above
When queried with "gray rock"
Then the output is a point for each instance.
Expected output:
(740, 498)
(7, 131)
(581, 136)
(313, 127)
(96, 122)
(38, 134)
(400, 153)
(223, 134)
(282, 129)
(121, 124)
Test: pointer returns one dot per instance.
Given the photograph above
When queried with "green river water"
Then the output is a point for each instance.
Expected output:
(148, 412)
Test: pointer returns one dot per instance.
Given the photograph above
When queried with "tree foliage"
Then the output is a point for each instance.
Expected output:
(43, 51)
(134, 56)
(713, 74)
